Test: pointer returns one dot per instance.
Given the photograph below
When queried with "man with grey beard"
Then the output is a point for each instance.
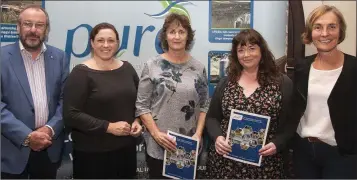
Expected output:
(32, 78)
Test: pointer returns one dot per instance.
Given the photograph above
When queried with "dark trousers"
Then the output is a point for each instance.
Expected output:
(118, 164)
(39, 166)
(316, 160)
(155, 167)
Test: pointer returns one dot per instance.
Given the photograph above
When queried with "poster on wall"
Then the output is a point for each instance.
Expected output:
(217, 64)
(227, 18)
(10, 11)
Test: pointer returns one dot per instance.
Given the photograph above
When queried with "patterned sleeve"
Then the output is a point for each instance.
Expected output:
(143, 101)
(203, 90)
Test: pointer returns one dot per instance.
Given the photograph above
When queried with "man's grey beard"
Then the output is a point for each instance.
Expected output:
(31, 48)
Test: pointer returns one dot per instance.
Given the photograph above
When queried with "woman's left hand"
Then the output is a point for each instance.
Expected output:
(135, 129)
(268, 150)
(197, 137)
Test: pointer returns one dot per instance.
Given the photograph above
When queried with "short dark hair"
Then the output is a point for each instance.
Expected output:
(100, 26)
(179, 19)
(267, 71)
(37, 7)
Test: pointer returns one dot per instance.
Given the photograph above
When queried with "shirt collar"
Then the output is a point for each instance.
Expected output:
(43, 47)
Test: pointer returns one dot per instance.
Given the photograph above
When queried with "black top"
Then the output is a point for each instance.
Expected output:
(215, 115)
(341, 102)
(93, 99)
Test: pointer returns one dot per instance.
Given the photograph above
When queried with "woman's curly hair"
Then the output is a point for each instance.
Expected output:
(179, 19)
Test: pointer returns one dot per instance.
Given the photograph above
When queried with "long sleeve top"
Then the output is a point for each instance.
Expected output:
(174, 94)
(93, 99)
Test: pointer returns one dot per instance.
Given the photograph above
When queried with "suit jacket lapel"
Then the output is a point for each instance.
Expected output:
(19, 68)
(48, 58)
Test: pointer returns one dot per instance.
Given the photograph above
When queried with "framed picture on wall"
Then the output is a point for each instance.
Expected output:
(227, 18)
(10, 11)
(217, 65)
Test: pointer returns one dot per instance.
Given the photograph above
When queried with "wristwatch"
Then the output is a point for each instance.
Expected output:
(27, 141)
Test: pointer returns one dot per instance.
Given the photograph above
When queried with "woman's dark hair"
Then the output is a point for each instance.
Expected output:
(101, 26)
(267, 70)
(178, 19)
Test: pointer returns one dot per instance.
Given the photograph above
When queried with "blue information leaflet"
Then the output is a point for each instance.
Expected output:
(247, 133)
(182, 163)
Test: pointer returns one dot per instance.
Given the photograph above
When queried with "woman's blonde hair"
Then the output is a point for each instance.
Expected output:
(317, 13)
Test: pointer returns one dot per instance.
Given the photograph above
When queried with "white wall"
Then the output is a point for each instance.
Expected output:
(271, 24)
(348, 9)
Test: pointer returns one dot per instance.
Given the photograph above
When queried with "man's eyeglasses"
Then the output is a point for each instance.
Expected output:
(29, 25)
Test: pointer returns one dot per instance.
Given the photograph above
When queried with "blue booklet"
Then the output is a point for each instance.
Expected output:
(181, 164)
(246, 134)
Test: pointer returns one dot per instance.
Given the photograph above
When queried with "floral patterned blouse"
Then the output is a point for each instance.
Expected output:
(174, 94)
(265, 101)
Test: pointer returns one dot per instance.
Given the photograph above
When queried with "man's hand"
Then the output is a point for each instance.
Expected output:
(120, 128)
(135, 129)
(165, 141)
(46, 130)
(39, 140)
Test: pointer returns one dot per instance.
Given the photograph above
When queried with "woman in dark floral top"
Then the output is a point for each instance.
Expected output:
(253, 85)
(172, 93)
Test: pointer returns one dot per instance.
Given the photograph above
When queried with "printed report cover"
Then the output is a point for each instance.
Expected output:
(181, 164)
(247, 133)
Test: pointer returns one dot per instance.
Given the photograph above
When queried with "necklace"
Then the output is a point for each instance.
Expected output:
(105, 67)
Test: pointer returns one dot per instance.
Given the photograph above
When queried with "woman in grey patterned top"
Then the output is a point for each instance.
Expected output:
(172, 93)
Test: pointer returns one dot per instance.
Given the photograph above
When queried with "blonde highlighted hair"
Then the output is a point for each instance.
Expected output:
(317, 13)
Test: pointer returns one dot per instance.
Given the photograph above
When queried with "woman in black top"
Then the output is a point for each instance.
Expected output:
(253, 85)
(323, 116)
(99, 109)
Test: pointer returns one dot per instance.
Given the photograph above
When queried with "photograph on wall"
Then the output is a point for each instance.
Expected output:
(227, 18)
(217, 64)
(182, 163)
(247, 134)
(10, 11)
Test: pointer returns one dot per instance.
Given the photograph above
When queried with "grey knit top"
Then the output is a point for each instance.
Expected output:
(174, 94)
